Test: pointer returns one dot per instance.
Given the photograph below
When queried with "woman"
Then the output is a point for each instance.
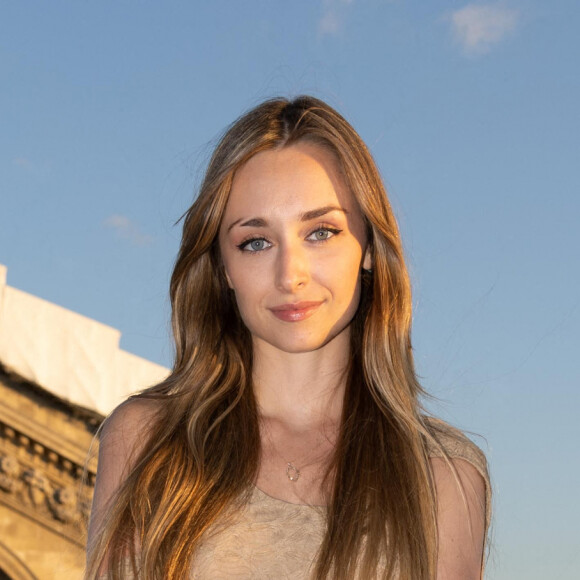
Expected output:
(289, 440)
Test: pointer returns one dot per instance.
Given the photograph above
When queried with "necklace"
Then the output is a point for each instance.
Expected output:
(292, 472)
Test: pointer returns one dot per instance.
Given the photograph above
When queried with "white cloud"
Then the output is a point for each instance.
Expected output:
(477, 27)
(127, 230)
(329, 24)
(333, 15)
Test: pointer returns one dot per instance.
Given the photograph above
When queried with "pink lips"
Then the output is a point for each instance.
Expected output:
(295, 312)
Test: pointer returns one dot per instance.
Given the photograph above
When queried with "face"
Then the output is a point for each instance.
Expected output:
(293, 244)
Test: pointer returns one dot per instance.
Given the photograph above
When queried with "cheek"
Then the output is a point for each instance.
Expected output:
(248, 305)
(242, 276)
(232, 271)
(350, 288)
(343, 273)
(248, 287)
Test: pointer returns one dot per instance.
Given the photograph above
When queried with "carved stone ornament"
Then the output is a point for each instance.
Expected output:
(64, 505)
(9, 470)
(33, 488)
(38, 486)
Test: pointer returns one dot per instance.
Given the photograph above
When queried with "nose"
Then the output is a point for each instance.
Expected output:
(292, 268)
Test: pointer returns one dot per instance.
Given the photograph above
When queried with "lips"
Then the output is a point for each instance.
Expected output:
(295, 312)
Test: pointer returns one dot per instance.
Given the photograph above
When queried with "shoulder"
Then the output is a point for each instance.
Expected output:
(122, 437)
(449, 442)
(462, 484)
(124, 434)
(129, 422)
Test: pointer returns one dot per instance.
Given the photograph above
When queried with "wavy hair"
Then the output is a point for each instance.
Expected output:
(204, 447)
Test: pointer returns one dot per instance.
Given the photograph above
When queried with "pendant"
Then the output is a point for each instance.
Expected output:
(292, 472)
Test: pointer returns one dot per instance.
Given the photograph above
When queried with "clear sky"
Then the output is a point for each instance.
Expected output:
(108, 111)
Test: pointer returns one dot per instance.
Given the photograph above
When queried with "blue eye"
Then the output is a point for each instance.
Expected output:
(255, 245)
(323, 234)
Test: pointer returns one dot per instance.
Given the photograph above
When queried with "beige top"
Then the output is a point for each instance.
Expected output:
(271, 538)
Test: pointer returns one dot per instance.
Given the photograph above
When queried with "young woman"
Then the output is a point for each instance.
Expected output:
(289, 440)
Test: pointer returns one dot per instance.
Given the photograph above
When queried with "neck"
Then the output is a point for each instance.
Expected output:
(302, 390)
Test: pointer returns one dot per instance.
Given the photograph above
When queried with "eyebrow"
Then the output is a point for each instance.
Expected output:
(306, 216)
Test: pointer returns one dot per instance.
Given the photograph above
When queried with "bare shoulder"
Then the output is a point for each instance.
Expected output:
(461, 479)
(127, 425)
(123, 437)
(449, 442)
(461, 519)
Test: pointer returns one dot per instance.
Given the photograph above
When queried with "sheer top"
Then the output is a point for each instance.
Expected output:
(270, 538)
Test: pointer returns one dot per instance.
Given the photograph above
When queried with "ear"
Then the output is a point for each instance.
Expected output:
(229, 280)
(368, 259)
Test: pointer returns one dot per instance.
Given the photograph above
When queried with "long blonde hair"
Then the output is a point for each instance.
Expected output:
(204, 448)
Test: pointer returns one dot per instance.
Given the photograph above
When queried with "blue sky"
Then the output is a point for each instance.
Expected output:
(108, 111)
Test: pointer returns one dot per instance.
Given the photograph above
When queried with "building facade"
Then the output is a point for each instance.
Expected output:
(46, 482)
(60, 375)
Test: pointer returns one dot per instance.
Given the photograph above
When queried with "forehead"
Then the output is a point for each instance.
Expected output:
(296, 178)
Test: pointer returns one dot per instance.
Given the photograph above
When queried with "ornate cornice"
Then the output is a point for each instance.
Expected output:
(66, 450)
(43, 477)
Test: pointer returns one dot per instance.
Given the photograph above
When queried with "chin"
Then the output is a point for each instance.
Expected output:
(297, 345)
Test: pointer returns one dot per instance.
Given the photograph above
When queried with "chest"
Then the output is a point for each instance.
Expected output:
(293, 467)
(268, 539)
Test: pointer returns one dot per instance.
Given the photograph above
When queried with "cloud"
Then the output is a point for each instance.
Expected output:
(329, 24)
(477, 27)
(22, 162)
(127, 230)
(333, 16)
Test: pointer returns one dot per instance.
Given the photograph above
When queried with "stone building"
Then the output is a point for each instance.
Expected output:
(60, 374)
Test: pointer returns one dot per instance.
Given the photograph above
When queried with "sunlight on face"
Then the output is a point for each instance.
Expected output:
(293, 244)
